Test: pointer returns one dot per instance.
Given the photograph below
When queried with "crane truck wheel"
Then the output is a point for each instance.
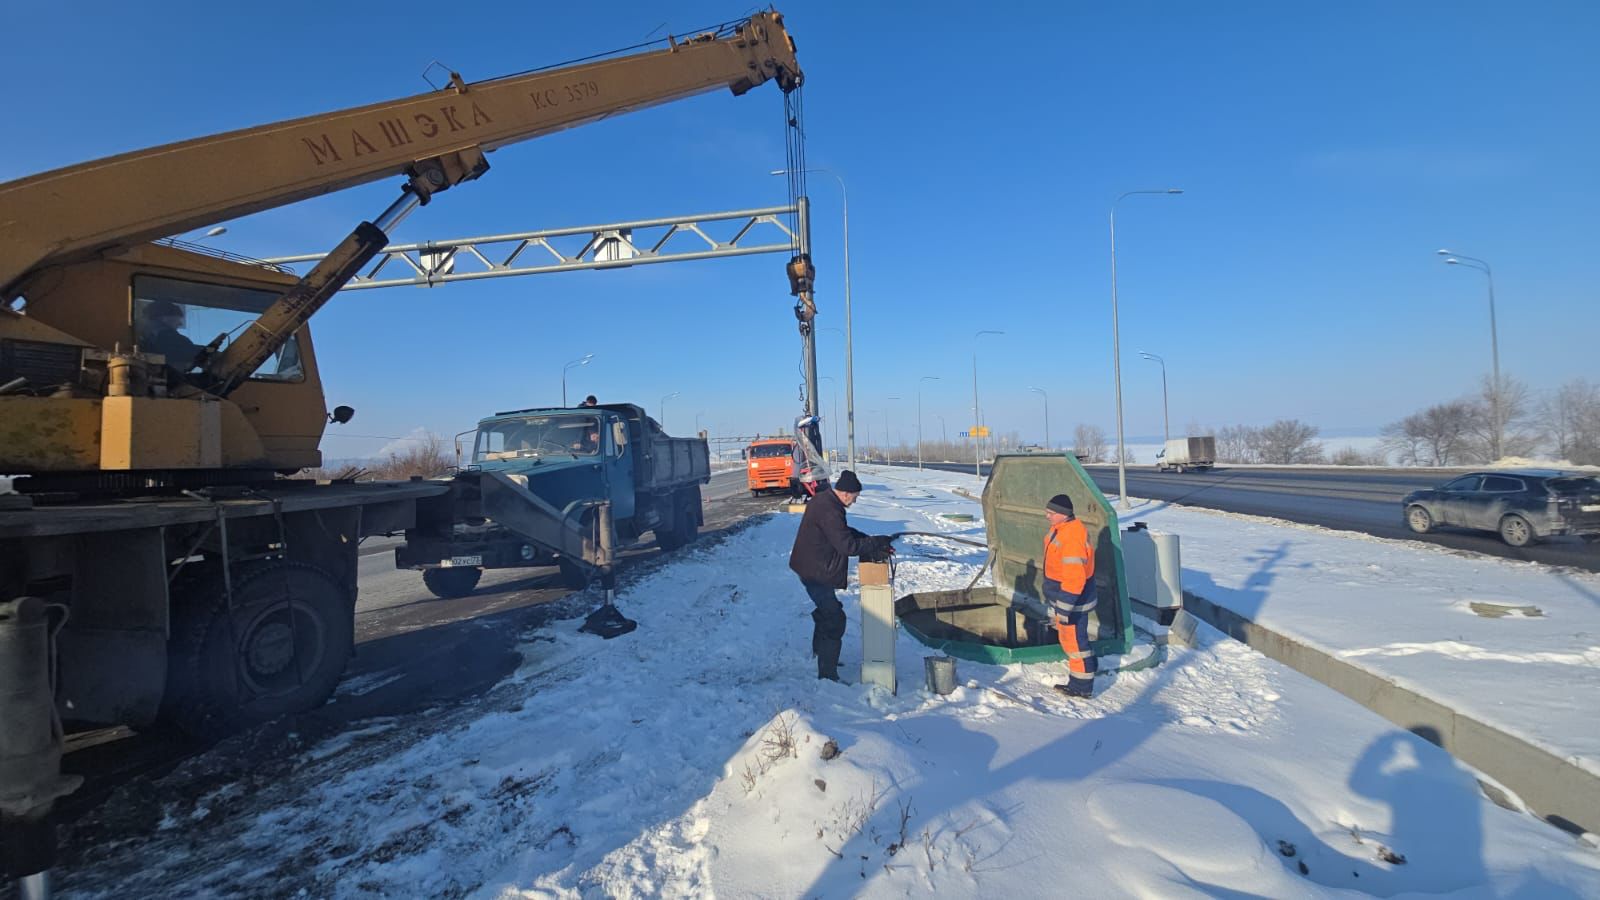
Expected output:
(456, 581)
(279, 649)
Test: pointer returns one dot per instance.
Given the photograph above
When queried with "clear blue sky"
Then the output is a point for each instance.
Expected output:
(1325, 151)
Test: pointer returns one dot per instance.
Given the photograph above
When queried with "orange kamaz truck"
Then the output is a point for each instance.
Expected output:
(770, 465)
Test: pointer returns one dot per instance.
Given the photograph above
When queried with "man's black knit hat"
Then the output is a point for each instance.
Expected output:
(847, 482)
(1060, 503)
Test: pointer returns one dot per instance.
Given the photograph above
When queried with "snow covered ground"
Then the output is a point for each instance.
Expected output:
(687, 759)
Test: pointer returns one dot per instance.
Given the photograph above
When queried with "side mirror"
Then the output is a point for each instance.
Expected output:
(342, 414)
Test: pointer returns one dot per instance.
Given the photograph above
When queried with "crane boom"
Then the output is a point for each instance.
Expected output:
(75, 212)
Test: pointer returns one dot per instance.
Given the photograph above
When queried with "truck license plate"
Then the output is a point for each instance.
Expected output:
(460, 561)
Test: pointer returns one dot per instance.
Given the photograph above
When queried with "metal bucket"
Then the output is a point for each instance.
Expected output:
(941, 673)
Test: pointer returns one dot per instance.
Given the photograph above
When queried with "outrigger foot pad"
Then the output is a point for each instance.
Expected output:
(608, 622)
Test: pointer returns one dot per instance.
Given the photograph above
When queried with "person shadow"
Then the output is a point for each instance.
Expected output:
(1435, 811)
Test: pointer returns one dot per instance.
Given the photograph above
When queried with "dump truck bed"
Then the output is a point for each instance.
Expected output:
(664, 462)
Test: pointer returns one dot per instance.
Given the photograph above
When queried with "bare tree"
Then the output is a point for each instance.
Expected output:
(1440, 435)
(1289, 441)
(1519, 435)
(1571, 418)
(1350, 456)
(1089, 442)
(1195, 429)
(428, 456)
(1238, 444)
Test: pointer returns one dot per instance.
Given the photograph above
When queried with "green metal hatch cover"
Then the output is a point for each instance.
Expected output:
(1013, 508)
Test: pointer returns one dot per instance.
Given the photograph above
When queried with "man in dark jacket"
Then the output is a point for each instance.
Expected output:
(821, 557)
(160, 334)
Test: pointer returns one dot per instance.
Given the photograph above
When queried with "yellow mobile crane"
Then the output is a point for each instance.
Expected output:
(151, 563)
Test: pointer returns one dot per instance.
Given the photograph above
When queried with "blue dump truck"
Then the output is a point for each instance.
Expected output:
(564, 487)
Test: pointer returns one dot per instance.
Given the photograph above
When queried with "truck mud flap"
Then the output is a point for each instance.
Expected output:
(570, 532)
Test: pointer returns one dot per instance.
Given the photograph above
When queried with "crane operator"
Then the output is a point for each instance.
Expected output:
(160, 334)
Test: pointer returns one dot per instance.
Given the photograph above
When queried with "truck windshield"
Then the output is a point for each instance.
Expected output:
(771, 451)
(569, 435)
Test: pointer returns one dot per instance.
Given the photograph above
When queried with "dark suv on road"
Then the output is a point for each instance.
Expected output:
(1523, 505)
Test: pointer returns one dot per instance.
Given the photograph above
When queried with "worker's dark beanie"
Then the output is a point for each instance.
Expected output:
(848, 482)
(1060, 503)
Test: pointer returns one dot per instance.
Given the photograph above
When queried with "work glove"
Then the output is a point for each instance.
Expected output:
(883, 544)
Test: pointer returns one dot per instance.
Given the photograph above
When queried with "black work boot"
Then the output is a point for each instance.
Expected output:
(1076, 692)
(828, 658)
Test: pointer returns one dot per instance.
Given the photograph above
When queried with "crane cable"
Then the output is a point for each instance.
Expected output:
(795, 169)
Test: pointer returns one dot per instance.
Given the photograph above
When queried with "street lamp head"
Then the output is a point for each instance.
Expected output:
(1452, 261)
(218, 230)
(1444, 252)
(779, 172)
(1174, 190)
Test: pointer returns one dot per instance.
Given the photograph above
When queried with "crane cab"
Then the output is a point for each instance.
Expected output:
(93, 380)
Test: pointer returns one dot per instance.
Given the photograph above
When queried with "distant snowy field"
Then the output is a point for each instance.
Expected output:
(686, 759)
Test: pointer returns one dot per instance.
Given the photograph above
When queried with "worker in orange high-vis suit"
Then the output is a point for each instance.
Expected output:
(1069, 591)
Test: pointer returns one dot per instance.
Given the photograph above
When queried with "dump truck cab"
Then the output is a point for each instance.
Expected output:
(537, 483)
(769, 465)
(563, 455)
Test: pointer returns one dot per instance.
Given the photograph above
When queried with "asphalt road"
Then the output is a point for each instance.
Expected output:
(1364, 500)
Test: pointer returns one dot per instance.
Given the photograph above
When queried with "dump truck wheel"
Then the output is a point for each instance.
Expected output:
(573, 576)
(456, 581)
(279, 649)
(689, 517)
(669, 536)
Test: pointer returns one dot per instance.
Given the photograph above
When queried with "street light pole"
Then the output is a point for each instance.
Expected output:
(849, 343)
(835, 416)
(1166, 424)
(886, 428)
(1472, 262)
(1041, 393)
(576, 362)
(977, 411)
(1116, 350)
(919, 417)
(664, 408)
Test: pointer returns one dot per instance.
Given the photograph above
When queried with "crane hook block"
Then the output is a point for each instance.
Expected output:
(801, 274)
